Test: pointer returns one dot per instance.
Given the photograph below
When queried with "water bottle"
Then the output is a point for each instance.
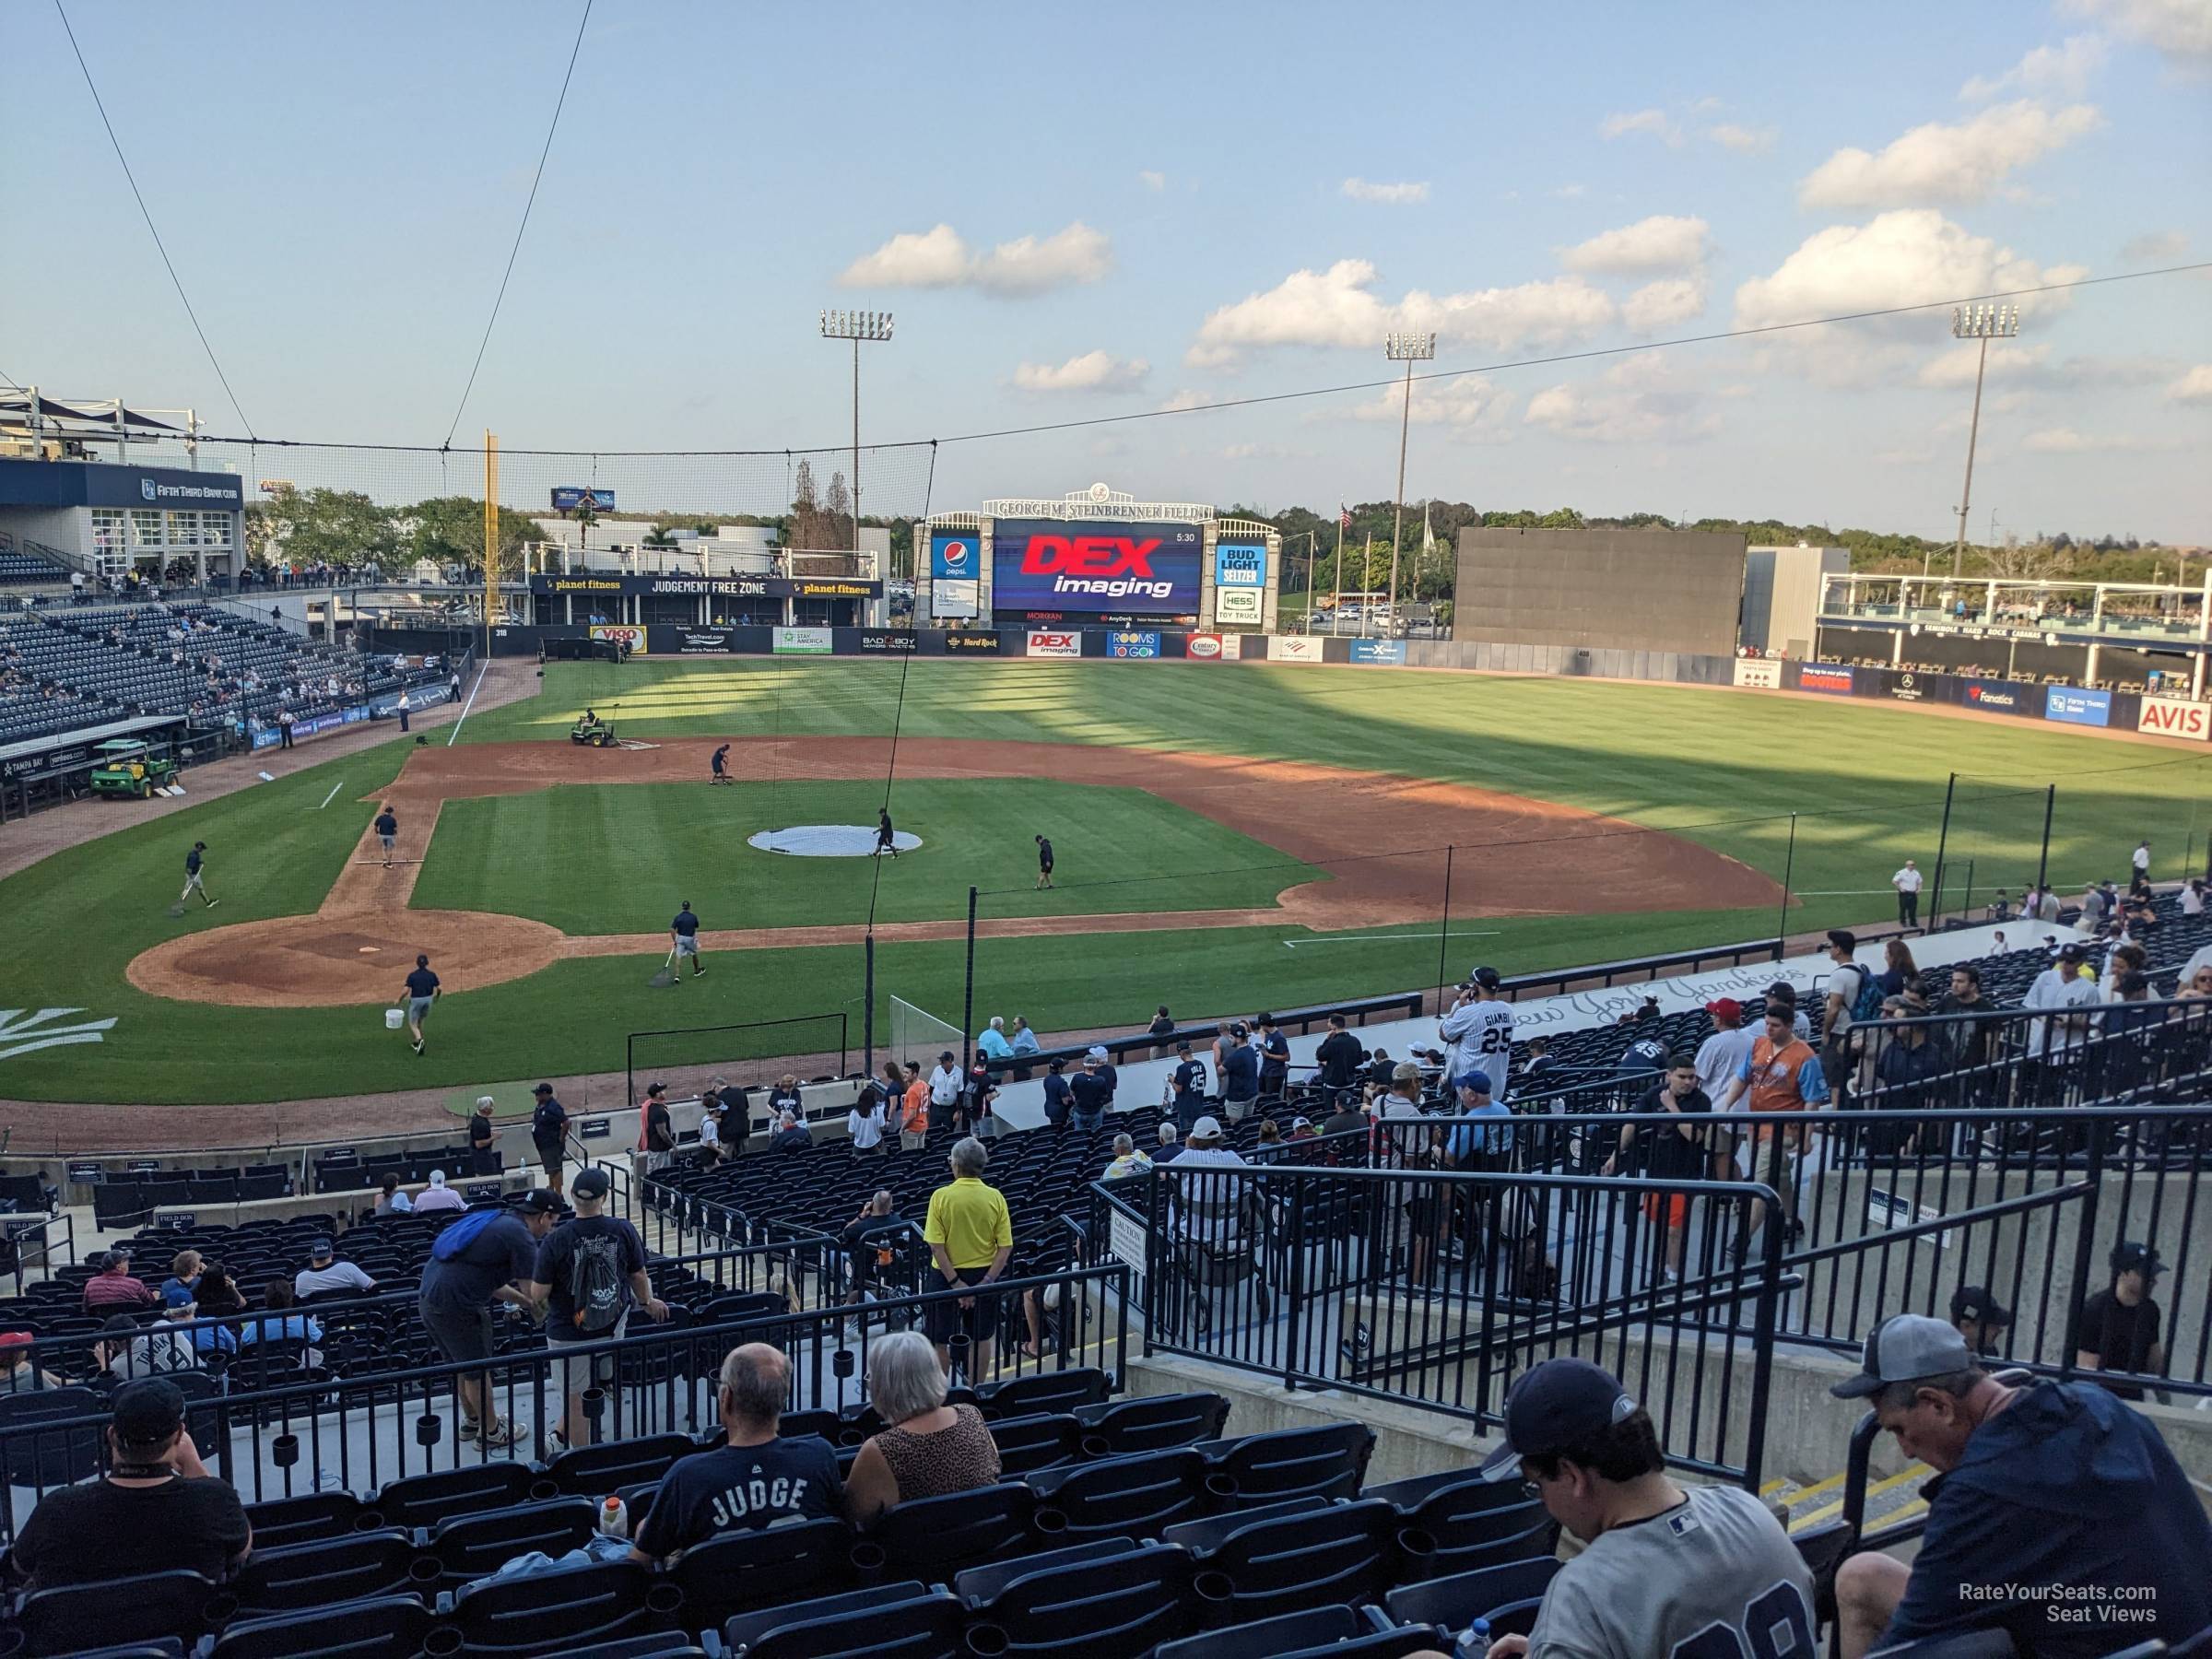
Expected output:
(614, 1522)
(1474, 1642)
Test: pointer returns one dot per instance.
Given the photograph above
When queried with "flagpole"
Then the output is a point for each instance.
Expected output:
(1341, 516)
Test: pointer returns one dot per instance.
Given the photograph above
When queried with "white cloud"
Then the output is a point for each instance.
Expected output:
(1185, 399)
(940, 258)
(1363, 190)
(1637, 400)
(2194, 386)
(1153, 180)
(1572, 193)
(1914, 257)
(2028, 363)
(1662, 303)
(2065, 441)
(1744, 140)
(2062, 71)
(1662, 242)
(1657, 123)
(2154, 247)
(1939, 163)
(1467, 406)
(1092, 371)
(2180, 29)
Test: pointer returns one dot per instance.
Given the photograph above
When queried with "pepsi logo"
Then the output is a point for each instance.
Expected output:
(954, 555)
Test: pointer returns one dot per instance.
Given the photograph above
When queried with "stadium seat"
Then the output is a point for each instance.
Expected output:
(470, 1547)
(1204, 1535)
(1116, 1607)
(308, 1518)
(1318, 1633)
(892, 1621)
(564, 1609)
(362, 1629)
(1337, 1554)
(595, 1470)
(114, 1613)
(53, 1457)
(324, 1571)
(1823, 1549)
(1151, 1423)
(976, 1585)
(426, 1500)
(1137, 1496)
(1327, 1461)
(935, 1537)
(1464, 1526)
(1457, 1601)
(1027, 1444)
(1044, 1391)
(740, 1571)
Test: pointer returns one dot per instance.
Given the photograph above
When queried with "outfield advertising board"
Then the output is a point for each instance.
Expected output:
(800, 642)
(972, 642)
(2002, 697)
(1833, 679)
(956, 562)
(621, 633)
(1055, 642)
(1212, 647)
(1378, 651)
(879, 640)
(1906, 687)
(700, 642)
(1293, 648)
(2076, 705)
(1095, 568)
(1239, 565)
(1240, 604)
(1133, 644)
(567, 497)
(1760, 674)
(2174, 717)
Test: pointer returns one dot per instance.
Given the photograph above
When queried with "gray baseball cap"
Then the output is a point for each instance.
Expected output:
(1904, 1349)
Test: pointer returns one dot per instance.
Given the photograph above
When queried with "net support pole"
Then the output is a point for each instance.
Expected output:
(868, 1005)
(2043, 859)
(1943, 841)
(968, 995)
(1443, 936)
(491, 534)
(1789, 869)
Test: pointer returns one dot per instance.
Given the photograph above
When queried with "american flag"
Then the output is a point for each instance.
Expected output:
(1344, 516)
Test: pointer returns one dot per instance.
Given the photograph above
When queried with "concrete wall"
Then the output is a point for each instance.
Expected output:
(1782, 596)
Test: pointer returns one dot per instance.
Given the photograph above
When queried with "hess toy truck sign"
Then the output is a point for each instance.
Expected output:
(1097, 569)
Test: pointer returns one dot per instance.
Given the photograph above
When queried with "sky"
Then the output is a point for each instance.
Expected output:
(1076, 213)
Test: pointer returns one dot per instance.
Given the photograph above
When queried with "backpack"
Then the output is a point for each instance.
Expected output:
(1867, 1004)
(459, 1235)
(595, 1284)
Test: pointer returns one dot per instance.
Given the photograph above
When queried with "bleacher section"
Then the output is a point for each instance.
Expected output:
(24, 569)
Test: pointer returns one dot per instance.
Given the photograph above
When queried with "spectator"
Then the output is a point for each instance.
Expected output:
(1271, 1136)
(482, 1138)
(756, 1478)
(1170, 1148)
(1681, 1149)
(1907, 882)
(944, 1084)
(184, 1271)
(975, 1104)
(1240, 1071)
(1209, 1208)
(20, 1371)
(1059, 1092)
(791, 1136)
(392, 1201)
(323, 1275)
(992, 1041)
(1982, 1319)
(1089, 1095)
(866, 1125)
(1477, 1032)
(282, 1321)
(1379, 1066)
(2044, 1490)
(1541, 1060)
(2119, 1328)
(474, 1264)
(218, 1295)
(1781, 1073)
(1846, 987)
(2192, 897)
(156, 1508)
(549, 1133)
(1302, 1128)
(1486, 1148)
(1338, 1056)
(438, 1196)
(710, 1114)
(1162, 1026)
(1346, 1118)
(2046, 907)
(1718, 1557)
(1025, 1040)
(868, 1240)
(1126, 1162)
(1403, 1098)
(930, 1449)
(1783, 991)
(914, 1128)
(1907, 1069)
(1274, 1058)
(785, 1098)
(113, 1285)
(205, 1338)
(2096, 904)
(2059, 996)
(1899, 973)
(970, 1239)
(128, 1349)
(2000, 908)
(656, 1130)
(590, 1273)
(1722, 1055)
(1972, 1041)
(1186, 1087)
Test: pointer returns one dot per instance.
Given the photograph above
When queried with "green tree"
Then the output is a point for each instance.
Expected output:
(449, 530)
(334, 527)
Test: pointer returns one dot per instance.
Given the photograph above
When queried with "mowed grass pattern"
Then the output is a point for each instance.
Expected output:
(618, 859)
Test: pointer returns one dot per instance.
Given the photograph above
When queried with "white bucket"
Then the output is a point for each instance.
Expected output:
(394, 1019)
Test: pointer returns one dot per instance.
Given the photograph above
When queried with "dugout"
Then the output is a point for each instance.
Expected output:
(1614, 590)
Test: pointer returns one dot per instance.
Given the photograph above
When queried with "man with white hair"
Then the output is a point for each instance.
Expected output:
(1128, 1160)
(439, 1196)
(791, 1135)
(992, 1041)
(970, 1239)
(1169, 1151)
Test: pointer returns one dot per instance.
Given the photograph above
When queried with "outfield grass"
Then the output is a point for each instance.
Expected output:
(566, 857)
(1867, 782)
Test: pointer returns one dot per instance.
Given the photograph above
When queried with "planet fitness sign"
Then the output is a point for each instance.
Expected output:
(1095, 568)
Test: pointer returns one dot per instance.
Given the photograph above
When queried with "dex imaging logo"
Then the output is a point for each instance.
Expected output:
(147, 488)
(1105, 567)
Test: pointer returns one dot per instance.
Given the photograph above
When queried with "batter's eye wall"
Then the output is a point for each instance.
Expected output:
(1630, 589)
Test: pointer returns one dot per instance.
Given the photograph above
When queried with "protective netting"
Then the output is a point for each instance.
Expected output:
(919, 1036)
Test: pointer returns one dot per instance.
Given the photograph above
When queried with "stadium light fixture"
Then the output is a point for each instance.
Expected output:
(1409, 350)
(1982, 322)
(874, 327)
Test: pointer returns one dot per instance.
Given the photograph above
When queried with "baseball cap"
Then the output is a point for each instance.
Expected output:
(148, 1412)
(591, 1184)
(1206, 1128)
(1781, 991)
(1296, 1122)
(1903, 1349)
(2128, 1256)
(1477, 1081)
(1971, 1301)
(177, 1296)
(2073, 950)
(1486, 977)
(16, 1340)
(1727, 1008)
(1095, 1052)
(539, 1202)
(1182, 1047)
(1405, 1071)
(320, 1250)
(542, 1089)
(653, 1088)
(1555, 1405)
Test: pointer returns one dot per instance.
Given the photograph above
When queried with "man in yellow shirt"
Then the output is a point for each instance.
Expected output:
(970, 1237)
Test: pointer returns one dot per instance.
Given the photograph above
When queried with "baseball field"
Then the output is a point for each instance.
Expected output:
(1226, 839)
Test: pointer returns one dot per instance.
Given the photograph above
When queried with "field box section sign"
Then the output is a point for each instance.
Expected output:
(1760, 674)
(2173, 717)
(801, 641)
(1056, 643)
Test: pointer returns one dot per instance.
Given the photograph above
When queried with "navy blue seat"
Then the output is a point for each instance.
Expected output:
(1044, 1440)
(1137, 1497)
(51, 1458)
(740, 1571)
(1152, 1423)
(595, 1470)
(115, 1613)
(905, 1620)
(979, 1584)
(471, 1547)
(1462, 1527)
(309, 1518)
(1043, 1390)
(936, 1536)
(561, 1611)
(324, 1571)
(1339, 1553)
(1115, 1607)
(426, 1500)
(1455, 1602)
(1317, 1634)
(362, 1629)
(1326, 1462)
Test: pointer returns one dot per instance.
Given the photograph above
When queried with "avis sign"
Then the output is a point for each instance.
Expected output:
(2174, 717)
(1054, 643)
